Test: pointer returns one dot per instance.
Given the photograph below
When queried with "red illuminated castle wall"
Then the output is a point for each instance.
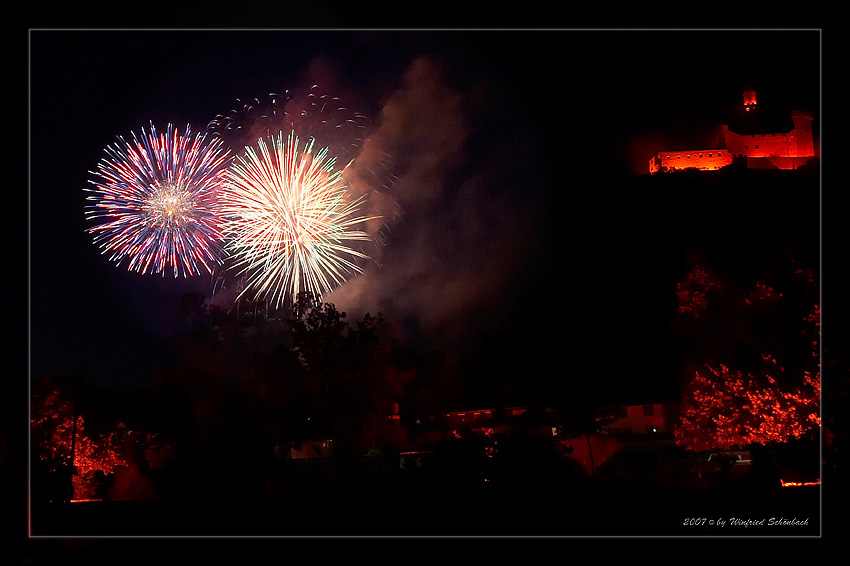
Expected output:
(763, 150)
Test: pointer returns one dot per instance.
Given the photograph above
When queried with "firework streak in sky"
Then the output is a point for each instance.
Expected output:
(157, 198)
(288, 218)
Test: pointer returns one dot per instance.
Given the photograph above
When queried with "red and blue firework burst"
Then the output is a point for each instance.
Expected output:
(155, 201)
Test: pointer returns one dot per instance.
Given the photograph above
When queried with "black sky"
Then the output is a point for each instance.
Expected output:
(497, 133)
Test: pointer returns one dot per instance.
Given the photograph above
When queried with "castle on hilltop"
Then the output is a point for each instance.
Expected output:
(762, 144)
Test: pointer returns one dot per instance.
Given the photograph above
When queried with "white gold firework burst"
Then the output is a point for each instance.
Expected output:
(290, 220)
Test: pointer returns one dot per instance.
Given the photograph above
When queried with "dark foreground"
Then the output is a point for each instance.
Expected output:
(440, 511)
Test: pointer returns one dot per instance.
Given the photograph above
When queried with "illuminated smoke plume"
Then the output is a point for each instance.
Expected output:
(422, 127)
(458, 231)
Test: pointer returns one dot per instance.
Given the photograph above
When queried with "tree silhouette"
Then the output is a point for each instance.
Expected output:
(348, 373)
(238, 388)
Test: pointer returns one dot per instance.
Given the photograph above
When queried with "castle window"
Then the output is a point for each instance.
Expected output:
(709, 155)
(700, 155)
(757, 146)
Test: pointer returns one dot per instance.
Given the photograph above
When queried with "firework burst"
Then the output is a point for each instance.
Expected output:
(289, 220)
(156, 202)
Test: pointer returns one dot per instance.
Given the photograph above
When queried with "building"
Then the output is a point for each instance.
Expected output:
(648, 419)
(761, 142)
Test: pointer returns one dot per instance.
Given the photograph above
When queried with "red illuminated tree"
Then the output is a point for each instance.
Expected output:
(693, 293)
(77, 452)
(726, 409)
(64, 446)
(759, 377)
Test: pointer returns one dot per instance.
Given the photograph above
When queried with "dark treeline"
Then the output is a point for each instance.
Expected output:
(235, 390)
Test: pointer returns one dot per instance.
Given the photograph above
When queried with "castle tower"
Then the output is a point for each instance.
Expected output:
(803, 133)
(750, 101)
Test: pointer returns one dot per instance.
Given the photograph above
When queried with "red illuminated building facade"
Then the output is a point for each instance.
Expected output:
(786, 145)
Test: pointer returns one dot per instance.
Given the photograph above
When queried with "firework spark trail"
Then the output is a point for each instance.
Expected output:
(288, 217)
(157, 197)
(313, 114)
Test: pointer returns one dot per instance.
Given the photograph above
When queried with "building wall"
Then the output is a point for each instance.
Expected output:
(763, 145)
(803, 129)
(702, 159)
(313, 450)
(786, 163)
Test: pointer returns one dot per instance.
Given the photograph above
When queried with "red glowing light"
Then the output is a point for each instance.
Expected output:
(762, 293)
(798, 483)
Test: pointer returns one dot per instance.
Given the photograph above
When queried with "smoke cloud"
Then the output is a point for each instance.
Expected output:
(452, 233)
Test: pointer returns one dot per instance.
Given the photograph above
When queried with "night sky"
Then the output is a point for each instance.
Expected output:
(498, 137)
